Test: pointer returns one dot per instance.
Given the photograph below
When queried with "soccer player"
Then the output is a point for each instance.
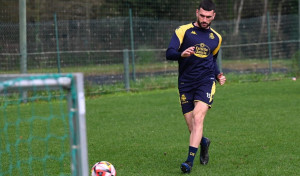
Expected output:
(195, 46)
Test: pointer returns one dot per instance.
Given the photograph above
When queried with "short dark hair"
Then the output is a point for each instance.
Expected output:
(207, 5)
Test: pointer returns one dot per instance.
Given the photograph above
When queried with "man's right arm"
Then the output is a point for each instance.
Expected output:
(172, 52)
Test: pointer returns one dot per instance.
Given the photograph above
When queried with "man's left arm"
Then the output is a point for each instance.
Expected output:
(218, 75)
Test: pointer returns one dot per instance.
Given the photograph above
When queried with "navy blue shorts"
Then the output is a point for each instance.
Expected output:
(203, 92)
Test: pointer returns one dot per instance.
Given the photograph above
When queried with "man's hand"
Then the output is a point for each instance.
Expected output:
(221, 79)
(188, 52)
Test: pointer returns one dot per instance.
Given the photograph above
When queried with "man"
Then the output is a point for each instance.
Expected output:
(195, 46)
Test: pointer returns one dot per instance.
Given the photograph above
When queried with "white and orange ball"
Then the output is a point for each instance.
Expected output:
(103, 168)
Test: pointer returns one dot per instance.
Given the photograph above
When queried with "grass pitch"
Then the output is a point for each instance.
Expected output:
(254, 129)
(253, 126)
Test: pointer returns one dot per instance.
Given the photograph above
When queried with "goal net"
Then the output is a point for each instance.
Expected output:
(42, 125)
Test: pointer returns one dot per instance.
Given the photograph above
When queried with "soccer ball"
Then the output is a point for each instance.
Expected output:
(103, 168)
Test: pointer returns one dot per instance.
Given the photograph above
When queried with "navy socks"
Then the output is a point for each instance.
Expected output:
(192, 154)
(193, 151)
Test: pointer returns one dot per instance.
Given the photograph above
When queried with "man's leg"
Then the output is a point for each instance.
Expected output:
(189, 120)
(194, 122)
(199, 114)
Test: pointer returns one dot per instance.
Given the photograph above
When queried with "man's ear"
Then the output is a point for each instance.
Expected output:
(214, 16)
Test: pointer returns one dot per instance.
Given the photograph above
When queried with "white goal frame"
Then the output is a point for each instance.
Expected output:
(72, 82)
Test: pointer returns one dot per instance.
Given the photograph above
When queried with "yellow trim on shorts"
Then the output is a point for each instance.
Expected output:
(187, 113)
(213, 91)
(203, 102)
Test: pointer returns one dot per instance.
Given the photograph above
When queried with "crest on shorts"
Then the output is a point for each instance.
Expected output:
(183, 99)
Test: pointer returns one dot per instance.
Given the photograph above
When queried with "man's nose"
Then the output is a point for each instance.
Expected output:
(205, 19)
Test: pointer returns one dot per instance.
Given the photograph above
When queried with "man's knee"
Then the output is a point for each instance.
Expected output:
(199, 118)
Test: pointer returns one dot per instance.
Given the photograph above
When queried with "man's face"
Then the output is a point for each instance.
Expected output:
(204, 18)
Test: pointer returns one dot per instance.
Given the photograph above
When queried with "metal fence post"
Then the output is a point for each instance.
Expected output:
(220, 60)
(132, 44)
(57, 43)
(270, 45)
(126, 69)
(23, 42)
(23, 36)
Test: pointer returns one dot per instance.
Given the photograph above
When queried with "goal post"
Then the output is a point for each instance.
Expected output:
(42, 125)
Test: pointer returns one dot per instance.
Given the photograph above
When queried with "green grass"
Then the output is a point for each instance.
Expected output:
(170, 81)
(163, 65)
(253, 126)
(254, 64)
(101, 69)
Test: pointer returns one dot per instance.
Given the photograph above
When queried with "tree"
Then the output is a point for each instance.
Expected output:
(264, 17)
(279, 13)
(238, 18)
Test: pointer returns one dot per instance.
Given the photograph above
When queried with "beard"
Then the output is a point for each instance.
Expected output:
(203, 25)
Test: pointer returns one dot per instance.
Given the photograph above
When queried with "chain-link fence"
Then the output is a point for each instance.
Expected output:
(90, 36)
